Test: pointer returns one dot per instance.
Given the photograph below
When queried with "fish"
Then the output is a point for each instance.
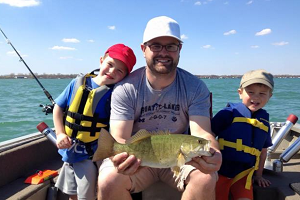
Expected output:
(157, 149)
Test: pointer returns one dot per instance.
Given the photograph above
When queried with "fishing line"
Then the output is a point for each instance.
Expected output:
(46, 108)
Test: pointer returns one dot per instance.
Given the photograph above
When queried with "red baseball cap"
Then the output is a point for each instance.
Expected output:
(122, 53)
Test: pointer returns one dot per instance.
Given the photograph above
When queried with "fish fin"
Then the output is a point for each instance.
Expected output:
(161, 132)
(180, 160)
(105, 146)
(175, 170)
(140, 135)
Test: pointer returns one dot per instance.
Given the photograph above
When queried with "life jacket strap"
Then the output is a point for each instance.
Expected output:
(248, 172)
(252, 121)
(238, 146)
(250, 150)
(77, 127)
(81, 117)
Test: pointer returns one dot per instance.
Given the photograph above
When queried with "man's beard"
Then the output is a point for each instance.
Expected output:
(161, 68)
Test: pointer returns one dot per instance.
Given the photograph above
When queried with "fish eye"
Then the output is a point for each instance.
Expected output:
(200, 141)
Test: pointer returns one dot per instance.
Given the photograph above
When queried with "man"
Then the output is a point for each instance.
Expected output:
(160, 96)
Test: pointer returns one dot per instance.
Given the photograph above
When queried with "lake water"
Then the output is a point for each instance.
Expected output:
(20, 99)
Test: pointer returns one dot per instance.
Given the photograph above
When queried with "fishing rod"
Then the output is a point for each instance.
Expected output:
(48, 108)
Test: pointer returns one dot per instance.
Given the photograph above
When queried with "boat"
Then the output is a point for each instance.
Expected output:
(24, 156)
(21, 77)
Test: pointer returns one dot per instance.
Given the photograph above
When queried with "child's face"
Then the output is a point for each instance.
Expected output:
(112, 70)
(255, 96)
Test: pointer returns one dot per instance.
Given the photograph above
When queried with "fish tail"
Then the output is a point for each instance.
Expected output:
(105, 146)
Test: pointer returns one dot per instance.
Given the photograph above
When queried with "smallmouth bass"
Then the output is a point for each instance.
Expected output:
(155, 149)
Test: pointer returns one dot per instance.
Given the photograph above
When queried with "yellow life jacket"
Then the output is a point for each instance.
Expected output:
(82, 120)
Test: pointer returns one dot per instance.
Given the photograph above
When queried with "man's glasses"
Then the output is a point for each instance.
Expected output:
(159, 47)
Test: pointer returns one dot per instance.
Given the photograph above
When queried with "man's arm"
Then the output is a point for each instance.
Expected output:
(121, 131)
(200, 127)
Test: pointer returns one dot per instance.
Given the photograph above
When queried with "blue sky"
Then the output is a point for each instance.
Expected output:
(221, 37)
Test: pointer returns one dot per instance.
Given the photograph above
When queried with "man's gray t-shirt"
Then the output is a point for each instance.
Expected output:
(169, 109)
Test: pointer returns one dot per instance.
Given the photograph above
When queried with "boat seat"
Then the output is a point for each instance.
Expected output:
(22, 161)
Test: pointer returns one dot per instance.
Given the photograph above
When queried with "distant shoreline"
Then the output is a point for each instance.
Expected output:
(71, 76)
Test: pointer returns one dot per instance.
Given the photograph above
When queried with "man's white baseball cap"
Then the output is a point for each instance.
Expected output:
(161, 26)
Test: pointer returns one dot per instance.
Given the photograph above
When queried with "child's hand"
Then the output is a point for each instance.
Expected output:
(261, 181)
(63, 141)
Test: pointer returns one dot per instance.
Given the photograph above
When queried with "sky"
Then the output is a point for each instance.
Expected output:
(220, 37)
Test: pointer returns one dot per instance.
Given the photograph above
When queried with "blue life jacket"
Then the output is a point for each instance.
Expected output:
(244, 139)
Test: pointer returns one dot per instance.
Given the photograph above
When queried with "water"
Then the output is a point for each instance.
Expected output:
(285, 99)
(19, 105)
(20, 99)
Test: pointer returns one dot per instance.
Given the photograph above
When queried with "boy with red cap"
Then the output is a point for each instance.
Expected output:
(81, 110)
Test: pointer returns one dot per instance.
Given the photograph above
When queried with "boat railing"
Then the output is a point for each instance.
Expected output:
(286, 143)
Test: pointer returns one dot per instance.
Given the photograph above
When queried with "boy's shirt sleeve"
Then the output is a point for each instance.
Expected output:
(221, 121)
(62, 99)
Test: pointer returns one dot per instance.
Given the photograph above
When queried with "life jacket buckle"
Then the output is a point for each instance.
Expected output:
(77, 127)
(78, 116)
(88, 88)
(255, 123)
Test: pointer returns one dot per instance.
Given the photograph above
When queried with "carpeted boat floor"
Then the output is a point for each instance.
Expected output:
(295, 187)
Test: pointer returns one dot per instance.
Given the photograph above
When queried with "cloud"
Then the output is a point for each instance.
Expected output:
(112, 27)
(91, 41)
(21, 3)
(280, 43)
(208, 46)
(70, 40)
(249, 2)
(65, 57)
(264, 32)
(13, 53)
(63, 48)
(184, 37)
(197, 3)
(230, 32)
(254, 46)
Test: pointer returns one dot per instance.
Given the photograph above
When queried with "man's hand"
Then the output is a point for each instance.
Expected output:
(208, 164)
(126, 164)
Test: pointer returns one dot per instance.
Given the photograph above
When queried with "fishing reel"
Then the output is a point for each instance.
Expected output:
(47, 108)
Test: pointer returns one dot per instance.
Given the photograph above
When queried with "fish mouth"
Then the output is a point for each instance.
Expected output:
(201, 151)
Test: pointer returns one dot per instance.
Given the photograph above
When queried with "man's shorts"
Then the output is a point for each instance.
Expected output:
(237, 190)
(146, 176)
(79, 179)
